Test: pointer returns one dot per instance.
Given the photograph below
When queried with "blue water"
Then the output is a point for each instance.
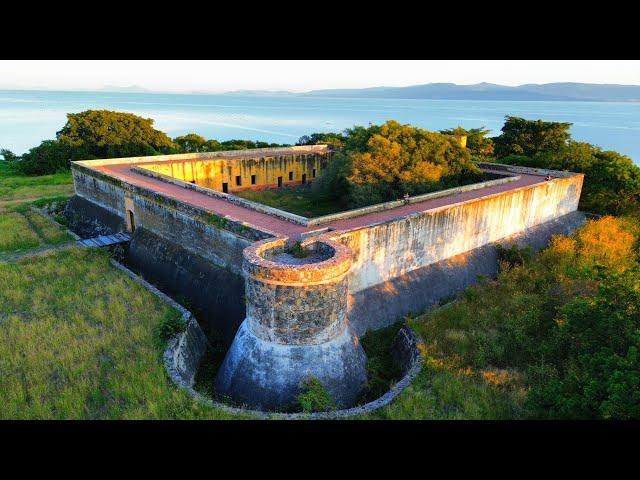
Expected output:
(28, 117)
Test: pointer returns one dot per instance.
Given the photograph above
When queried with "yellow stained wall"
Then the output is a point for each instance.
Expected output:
(213, 173)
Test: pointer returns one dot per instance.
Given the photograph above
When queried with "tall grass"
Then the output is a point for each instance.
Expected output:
(16, 188)
(80, 340)
(300, 200)
(16, 233)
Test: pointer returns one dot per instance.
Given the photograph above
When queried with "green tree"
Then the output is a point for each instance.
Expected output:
(8, 155)
(529, 137)
(597, 347)
(190, 143)
(335, 140)
(106, 134)
(401, 158)
(49, 157)
(611, 183)
(211, 146)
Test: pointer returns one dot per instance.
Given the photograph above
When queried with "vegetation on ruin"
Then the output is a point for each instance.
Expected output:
(314, 397)
(383, 162)
(298, 251)
(612, 180)
(302, 200)
(382, 372)
(556, 337)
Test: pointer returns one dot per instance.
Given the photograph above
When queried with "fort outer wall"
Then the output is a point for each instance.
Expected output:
(400, 266)
(406, 265)
(193, 255)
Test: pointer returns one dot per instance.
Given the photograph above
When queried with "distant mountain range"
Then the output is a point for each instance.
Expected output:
(584, 92)
(488, 91)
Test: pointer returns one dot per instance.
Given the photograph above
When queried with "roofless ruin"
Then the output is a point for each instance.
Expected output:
(289, 316)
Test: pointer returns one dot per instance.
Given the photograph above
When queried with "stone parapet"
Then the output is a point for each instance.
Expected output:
(293, 300)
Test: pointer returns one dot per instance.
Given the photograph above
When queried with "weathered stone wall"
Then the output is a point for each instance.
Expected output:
(214, 294)
(385, 303)
(99, 190)
(86, 219)
(218, 239)
(392, 249)
(193, 232)
(296, 327)
(296, 304)
(264, 171)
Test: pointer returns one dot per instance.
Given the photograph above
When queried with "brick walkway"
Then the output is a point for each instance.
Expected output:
(282, 227)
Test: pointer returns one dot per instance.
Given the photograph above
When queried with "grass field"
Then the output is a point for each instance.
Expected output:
(300, 200)
(18, 189)
(79, 339)
(22, 229)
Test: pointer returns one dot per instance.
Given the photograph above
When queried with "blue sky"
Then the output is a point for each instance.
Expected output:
(302, 75)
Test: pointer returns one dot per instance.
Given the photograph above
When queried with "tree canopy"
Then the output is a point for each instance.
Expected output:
(107, 134)
(528, 137)
(382, 162)
(191, 142)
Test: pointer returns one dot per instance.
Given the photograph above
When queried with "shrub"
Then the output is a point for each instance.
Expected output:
(298, 251)
(171, 326)
(314, 397)
(568, 322)
(49, 157)
(513, 256)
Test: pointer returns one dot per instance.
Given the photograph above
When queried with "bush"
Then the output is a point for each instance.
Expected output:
(314, 397)
(513, 256)
(298, 251)
(171, 326)
(49, 157)
(567, 322)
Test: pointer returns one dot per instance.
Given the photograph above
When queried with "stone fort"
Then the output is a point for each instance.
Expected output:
(287, 317)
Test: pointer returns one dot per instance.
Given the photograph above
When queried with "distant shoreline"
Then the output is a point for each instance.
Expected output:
(550, 92)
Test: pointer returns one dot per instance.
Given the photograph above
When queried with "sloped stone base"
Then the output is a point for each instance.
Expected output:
(267, 376)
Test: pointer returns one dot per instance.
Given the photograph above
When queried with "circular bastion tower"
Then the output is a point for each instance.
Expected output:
(295, 327)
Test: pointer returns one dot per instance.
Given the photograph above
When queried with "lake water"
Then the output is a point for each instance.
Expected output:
(28, 117)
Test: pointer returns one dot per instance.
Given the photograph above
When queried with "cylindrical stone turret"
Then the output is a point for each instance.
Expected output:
(296, 327)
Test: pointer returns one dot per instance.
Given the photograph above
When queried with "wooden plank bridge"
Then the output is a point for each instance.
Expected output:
(105, 240)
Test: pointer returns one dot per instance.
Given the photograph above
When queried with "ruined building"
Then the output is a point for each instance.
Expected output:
(287, 317)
